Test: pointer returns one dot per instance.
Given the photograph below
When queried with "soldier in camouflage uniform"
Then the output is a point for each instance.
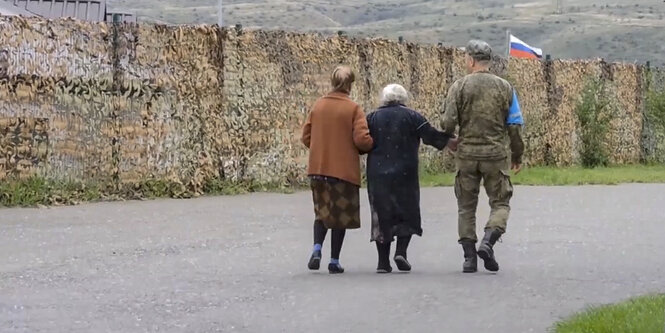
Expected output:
(485, 108)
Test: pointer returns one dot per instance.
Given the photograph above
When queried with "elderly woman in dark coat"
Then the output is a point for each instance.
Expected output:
(392, 174)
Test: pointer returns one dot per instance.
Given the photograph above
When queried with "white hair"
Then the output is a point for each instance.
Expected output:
(394, 94)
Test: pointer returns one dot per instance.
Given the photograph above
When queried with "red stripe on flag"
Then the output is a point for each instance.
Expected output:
(522, 54)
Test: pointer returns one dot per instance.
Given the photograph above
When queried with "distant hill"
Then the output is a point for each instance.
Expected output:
(617, 30)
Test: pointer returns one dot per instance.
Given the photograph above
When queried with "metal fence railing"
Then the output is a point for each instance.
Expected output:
(88, 10)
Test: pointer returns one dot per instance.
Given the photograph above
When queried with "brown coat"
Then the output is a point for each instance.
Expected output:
(336, 133)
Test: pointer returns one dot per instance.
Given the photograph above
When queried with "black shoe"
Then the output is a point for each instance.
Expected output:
(314, 261)
(384, 269)
(335, 269)
(402, 264)
(470, 257)
(486, 249)
(383, 250)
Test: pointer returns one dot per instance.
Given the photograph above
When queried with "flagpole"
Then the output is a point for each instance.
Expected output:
(220, 13)
(508, 41)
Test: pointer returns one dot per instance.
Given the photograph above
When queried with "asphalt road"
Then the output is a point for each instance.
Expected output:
(238, 264)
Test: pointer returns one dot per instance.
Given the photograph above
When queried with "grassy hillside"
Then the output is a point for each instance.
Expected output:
(619, 30)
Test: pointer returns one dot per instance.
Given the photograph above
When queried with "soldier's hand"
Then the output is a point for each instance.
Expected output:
(516, 167)
(453, 143)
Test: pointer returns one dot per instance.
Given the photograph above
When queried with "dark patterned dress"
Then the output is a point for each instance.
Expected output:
(336, 202)
(392, 170)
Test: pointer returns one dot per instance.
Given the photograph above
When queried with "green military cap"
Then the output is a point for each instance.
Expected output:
(479, 50)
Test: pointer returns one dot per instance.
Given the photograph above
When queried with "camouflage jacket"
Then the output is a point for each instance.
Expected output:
(485, 108)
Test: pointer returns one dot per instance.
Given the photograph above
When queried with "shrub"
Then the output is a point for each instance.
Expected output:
(594, 114)
(654, 124)
(655, 108)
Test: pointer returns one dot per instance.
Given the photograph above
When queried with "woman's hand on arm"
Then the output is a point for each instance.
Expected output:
(361, 136)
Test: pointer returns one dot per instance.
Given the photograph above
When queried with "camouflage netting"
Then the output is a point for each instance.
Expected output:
(170, 122)
(625, 139)
(530, 79)
(122, 105)
(55, 93)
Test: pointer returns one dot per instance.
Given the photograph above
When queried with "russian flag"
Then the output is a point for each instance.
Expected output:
(520, 49)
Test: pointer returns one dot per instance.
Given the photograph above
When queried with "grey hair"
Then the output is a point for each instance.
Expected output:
(394, 94)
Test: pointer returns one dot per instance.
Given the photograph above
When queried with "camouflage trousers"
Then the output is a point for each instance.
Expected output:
(499, 189)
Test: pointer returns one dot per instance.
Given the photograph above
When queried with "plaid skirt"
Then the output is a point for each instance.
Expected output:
(336, 202)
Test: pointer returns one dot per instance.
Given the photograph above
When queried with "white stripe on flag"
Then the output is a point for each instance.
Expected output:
(516, 40)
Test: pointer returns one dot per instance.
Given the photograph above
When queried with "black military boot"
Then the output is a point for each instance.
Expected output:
(486, 250)
(470, 259)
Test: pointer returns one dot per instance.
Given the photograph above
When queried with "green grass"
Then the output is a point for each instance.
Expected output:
(640, 315)
(550, 176)
(39, 191)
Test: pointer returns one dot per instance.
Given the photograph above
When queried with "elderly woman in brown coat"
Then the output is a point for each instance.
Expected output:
(336, 133)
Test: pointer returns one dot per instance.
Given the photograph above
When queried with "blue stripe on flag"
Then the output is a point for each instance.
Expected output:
(515, 113)
(517, 46)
